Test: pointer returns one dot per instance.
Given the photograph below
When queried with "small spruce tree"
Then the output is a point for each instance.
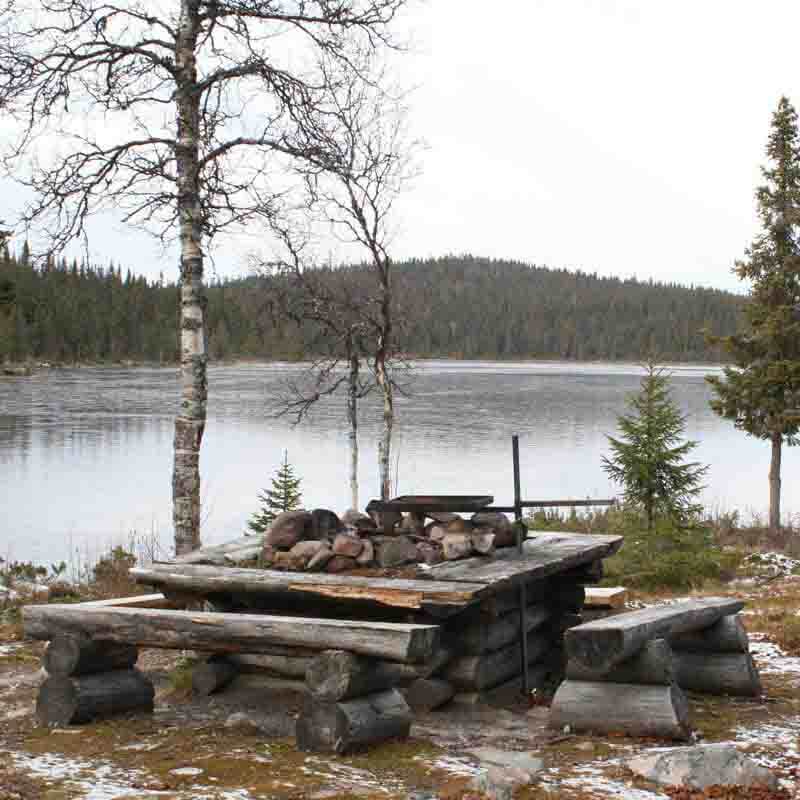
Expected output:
(648, 459)
(284, 495)
(760, 393)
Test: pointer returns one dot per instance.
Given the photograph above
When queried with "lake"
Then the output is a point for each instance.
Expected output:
(85, 454)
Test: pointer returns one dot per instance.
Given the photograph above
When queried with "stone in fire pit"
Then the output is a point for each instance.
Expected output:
(320, 540)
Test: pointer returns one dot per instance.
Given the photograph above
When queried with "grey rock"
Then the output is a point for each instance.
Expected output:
(506, 771)
(324, 523)
(359, 521)
(456, 545)
(483, 543)
(429, 553)
(278, 724)
(287, 529)
(442, 516)
(702, 766)
(437, 532)
(242, 722)
(307, 550)
(367, 555)
(459, 525)
(385, 520)
(321, 559)
(392, 551)
(344, 545)
(491, 519)
(497, 523)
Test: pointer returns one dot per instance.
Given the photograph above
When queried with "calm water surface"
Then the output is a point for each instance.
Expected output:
(85, 454)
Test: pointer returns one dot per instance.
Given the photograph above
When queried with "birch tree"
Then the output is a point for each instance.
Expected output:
(361, 160)
(182, 116)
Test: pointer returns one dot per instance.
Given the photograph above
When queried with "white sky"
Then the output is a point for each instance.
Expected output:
(616, 136)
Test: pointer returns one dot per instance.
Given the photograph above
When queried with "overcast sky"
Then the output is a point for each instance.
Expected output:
(617, 136)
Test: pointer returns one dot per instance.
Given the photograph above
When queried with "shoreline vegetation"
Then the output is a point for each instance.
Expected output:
(455, 307)
(29, 366)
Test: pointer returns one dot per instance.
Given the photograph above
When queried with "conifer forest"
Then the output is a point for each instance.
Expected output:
(450, 307)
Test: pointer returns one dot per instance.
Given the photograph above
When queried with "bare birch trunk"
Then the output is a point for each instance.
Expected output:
(352, 418)
(385, 443)
(775, 483)
(191, 419)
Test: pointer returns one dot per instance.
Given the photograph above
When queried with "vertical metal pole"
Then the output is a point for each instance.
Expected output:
(523, 602)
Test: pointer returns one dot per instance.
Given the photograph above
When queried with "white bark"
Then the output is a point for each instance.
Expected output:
(352, 418)
(191, 419)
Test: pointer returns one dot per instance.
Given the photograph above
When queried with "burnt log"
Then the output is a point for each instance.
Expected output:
(64, 700)
(213, 675)
(627, 708)
(603, 643)
(652, 665)
(718, 673)
(75, 655)
(353, 724)
(726, 636)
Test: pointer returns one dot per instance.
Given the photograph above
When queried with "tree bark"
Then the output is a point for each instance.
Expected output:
(626, 708)
(718, 673)
(344, 727)
(213, 675)
(191, 419)
(72, 701)
(383, 380)
(726, 636)
(352, 418)
(652, 665)
(74, 655)
(775, 483)
(232, 633)
(604, 643)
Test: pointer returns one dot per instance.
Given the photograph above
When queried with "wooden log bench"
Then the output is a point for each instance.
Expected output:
(92, 651)
(626, 673)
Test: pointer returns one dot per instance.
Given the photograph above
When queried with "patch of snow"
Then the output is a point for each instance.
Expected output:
(770, 659)
(85, 780)
(186, 772)
(457, 765)
(772, 563)
(592, 778)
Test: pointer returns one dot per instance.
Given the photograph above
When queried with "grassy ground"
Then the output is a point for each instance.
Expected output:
(184, 751)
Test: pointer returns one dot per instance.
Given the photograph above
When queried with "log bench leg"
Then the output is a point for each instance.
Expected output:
(65, 700)
(353, 724)
(627, 708)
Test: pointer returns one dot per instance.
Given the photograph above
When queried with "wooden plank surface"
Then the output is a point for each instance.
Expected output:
(231, 633)
(606, 597)
(603, 643)
(543, 555)
(403, 593)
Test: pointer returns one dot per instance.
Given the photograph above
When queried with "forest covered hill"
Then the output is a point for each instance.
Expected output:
(455, 307)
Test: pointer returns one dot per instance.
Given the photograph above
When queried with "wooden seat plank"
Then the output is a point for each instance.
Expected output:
(400, 593)
(543, 555)
(231, 633)
(603, 643)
